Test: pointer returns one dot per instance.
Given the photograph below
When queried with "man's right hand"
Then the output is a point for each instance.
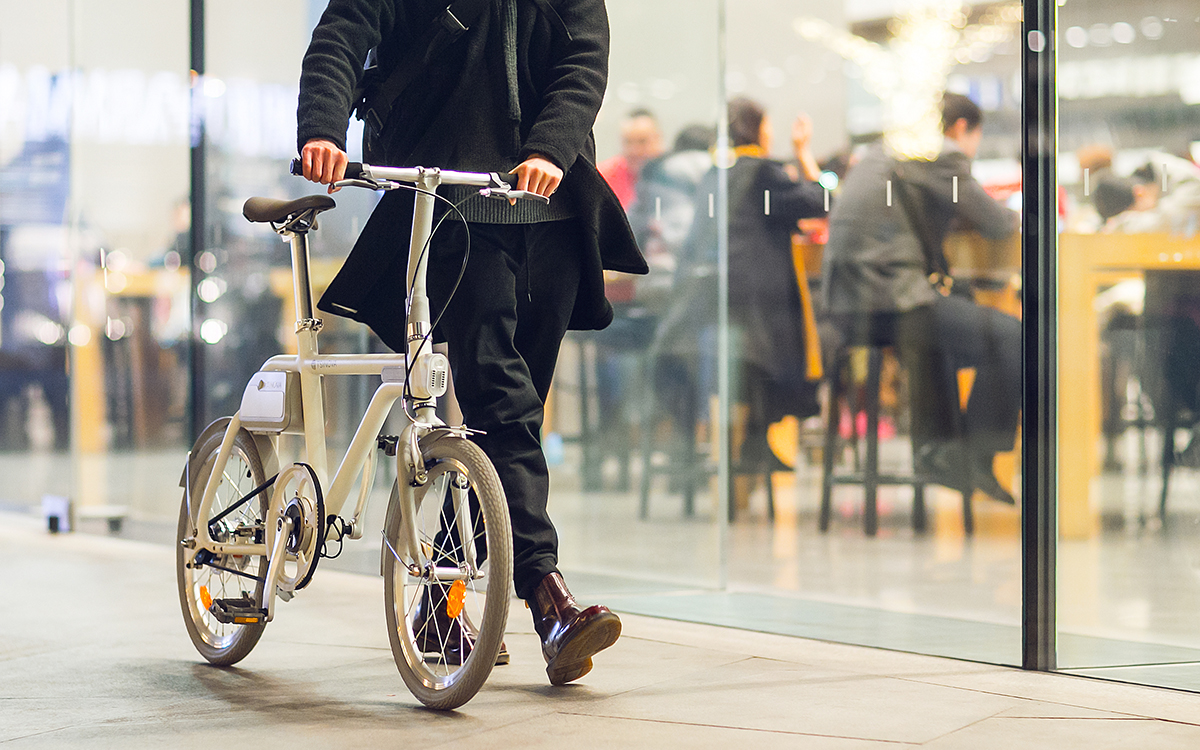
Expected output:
(323, 162)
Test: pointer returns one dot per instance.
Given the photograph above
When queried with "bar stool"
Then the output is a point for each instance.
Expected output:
(866, 471)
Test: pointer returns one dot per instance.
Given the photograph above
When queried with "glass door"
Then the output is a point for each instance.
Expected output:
(1129, 337)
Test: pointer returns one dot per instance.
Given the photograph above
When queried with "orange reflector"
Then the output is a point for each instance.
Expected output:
(244, 620)
(205, 598)
(454, 599)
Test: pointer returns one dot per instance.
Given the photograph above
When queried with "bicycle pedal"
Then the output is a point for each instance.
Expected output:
(241, 611)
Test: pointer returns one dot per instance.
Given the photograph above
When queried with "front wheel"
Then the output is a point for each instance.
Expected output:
(225, 577)
(445, 634)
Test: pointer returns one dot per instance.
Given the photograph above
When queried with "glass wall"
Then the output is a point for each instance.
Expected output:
(634, 427)
(831, 80)
(93, 197)
(1130, 131)
(941, 572)
(712, 444)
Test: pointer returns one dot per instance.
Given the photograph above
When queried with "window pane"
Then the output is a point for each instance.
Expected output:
(1128, 340)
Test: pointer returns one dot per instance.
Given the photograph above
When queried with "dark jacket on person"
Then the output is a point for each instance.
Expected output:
(462, 113)
(873, 261)
(765, 311)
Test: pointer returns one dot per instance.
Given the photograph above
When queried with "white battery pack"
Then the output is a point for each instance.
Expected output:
(271, 403)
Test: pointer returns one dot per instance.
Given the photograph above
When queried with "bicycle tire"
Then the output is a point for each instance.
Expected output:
(219, 643)
(484, 614)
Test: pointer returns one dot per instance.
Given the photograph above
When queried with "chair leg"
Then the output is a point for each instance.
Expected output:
(871, 464)
(1168, 456)
(920, 520)
(770, 495)
(692, 473)
(968, 513)
(647, 466)
(591, 474)
(831, 447)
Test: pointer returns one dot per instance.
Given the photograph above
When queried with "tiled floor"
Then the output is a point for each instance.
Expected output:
(93, 654)
(1128, 599)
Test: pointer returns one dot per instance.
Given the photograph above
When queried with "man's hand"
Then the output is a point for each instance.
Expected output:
(802, 132)
(537, 174)
(323, 162)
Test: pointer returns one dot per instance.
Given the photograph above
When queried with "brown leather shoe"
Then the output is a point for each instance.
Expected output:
(441, 639)
(570, 635)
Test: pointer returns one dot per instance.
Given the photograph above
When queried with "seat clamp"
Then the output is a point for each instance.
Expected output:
(309, 324)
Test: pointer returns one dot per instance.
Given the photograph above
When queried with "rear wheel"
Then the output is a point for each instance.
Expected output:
(224, 577)
(445, 634)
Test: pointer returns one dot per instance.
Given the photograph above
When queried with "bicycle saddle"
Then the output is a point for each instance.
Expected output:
(271, 209)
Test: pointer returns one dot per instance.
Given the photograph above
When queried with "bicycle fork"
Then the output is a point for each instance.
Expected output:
(420, 557)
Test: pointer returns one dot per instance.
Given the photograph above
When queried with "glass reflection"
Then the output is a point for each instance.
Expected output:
(1128, 337)
(634, 406)
(921, 558)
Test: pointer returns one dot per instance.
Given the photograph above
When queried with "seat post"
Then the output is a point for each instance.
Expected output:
(307, 327)
(301, 282)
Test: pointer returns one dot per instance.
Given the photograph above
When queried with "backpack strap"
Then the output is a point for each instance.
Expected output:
(373, 100)
(913, 204)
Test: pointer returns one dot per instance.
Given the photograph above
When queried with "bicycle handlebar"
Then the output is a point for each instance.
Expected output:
(359, 171)
(492, 184)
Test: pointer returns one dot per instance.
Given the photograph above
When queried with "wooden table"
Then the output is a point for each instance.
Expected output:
(1086, 263)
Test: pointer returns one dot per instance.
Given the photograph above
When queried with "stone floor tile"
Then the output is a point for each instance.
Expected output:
(548, 732)
(770, 695)
(1004, 733)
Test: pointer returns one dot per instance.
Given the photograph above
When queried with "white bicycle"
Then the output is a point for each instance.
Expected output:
(252, 533)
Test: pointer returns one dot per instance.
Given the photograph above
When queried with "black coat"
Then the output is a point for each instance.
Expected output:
(457, 115)
(765, 311)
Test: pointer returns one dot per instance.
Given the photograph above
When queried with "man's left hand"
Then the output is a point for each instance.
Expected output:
(537, 174)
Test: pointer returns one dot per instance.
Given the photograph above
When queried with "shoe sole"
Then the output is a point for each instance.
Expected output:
(575, 660)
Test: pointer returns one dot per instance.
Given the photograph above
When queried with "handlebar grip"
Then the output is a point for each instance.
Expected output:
(354, 170)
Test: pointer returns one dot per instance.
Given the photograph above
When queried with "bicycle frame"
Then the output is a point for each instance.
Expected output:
(311, 366)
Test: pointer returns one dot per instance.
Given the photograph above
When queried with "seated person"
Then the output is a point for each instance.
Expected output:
(1138, 204)
(876, 275)
(765, 309)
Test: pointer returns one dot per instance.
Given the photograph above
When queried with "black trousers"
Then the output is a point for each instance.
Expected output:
(504, 327)
(951, 334)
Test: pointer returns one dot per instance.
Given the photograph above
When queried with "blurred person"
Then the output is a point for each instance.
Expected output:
(665, 204)
(765, 310)
(878, 275)
(1095, 164)
(1138, 205)
(661, 217)
(641, 141)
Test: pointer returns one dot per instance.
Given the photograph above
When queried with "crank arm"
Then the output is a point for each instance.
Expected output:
(275, 565)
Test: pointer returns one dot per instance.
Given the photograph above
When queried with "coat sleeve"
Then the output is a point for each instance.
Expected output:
(576, 86)
(790, 200)
(978, 209)
(333, 64)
